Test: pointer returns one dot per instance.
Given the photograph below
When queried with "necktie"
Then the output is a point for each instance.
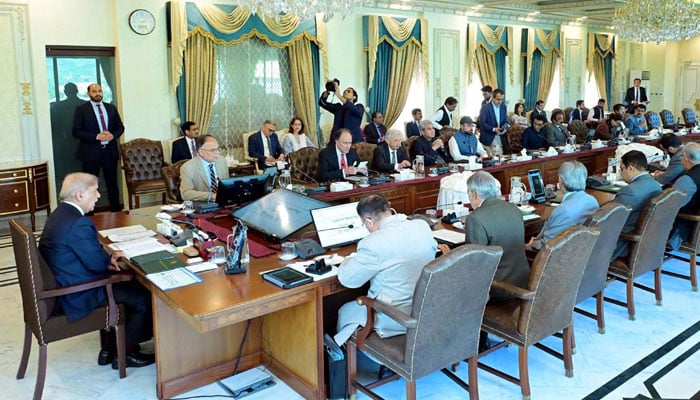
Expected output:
(212, 177)
(192, 148)
(381, 133)
(269, 146)
(103, 124)
(393, 156)
(343, 164)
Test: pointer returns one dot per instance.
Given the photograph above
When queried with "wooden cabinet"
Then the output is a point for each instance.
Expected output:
(24, 188)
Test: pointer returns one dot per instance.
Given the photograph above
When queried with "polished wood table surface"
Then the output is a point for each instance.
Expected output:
(199, 328)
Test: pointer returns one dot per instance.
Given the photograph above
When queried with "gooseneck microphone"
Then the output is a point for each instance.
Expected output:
(381, 178)
(307, 248)
(310, 190)
(431, 222)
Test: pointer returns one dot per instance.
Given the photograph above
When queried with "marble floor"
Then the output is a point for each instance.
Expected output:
(643, 348)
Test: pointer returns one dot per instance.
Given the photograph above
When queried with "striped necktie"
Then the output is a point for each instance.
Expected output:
(212, 177)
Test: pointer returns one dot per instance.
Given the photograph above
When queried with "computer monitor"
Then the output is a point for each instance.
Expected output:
(279, 214)
(241, 190)
(338, 225)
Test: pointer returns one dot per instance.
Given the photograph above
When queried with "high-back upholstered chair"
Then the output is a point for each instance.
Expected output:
(39, 293)
(546, 305)
(609, 220)
(515, 138)
(171, 177)
(648, 242)
(578, 129)
(653, 120)
(667, 119)
(408, 146)
(691, 248)
(444, 324)
(364, 150)
(142, 161)
(567, 113)
(689, 116)
(304, 164)
(245, 151)
(446, 134)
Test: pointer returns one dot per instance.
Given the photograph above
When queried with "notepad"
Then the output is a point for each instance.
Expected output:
(449, 236)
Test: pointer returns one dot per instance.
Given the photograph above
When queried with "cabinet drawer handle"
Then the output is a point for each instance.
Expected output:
(14, 174)
(16, 205)
(16, 191)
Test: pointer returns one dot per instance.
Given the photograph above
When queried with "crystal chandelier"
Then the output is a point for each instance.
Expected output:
(303, 8)
(657, 20)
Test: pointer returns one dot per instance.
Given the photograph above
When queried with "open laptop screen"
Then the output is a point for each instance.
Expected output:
(338, 225)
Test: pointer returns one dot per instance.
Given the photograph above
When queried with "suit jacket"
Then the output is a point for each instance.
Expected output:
(487, 123)
(328, 167)
(557, 135)
(672, 171)
(573, 210)
(422, 146)
(70, 247)
(499, 223)
(637, 195)
(598, 113)
(194, 179)
(412, 129)
(381, 159)
(371, 134)
(256, 148)
(391, 259)
(86, 128)
(181, 150)
(629, 97)
(536, 112)
(348, 116)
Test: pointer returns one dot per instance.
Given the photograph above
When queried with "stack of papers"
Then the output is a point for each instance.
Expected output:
(137, 247)
(174, 278)
(449, 236)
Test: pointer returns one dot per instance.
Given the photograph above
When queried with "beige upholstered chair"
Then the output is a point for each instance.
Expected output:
(171, 177)
(546, 305)
(39, 292)
(691, 248)
(245, 151)
(142, 161)
(304, 164)
(364, 150)
(443, 327)
(648, 242)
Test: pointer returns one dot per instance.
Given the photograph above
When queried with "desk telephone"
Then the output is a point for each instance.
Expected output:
(596, 181)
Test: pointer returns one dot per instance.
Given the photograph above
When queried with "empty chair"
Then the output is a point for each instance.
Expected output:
(648, 242)
(364, 150)
(653, 120)
(667, 119)
(444, 324)
(39, 297)
(578, 129)
(171, 177)
(689, 117)
(515, 138)
(142, 161)
(304, 164)
(546, 305)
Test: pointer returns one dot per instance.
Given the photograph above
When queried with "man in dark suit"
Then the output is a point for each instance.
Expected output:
(577, 112)
(70, 247)
(688, 183)
(430, 147)
(641, 187)
(598, 111)
(492, 117)
(347, 114)
(673, 147)
(375, 130)
(635, 95)
(185, 147)
(338, 160)
(264, 145)
(412, 127)
(97, 126)
(390, 156)
(539, 110)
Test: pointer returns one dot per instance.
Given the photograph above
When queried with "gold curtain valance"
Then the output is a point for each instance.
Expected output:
(493, 37)
(200, 31)
(547, 46)
(399, 30)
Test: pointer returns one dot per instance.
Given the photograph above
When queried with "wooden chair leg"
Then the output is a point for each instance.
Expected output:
(524, 374)
(573, 339)
(352, 367)
(121, 350)
(410, 390)
(27, 348)
(657, 286)
(693, 273)
(40, 373)
(600, 312)
(568, 361)
(630, 298)
(473, 380)
(137, 200)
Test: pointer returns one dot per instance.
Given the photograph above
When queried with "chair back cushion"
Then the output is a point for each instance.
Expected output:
(555, 278)
(364, 150)
(142, 160)
(515, 138)
(171, 177)
(578, 128)
(689, 116)
(448, 303)
(306, 160)
(34, 277)
(408, 146)
(446, 134)
(653, 119)
(654, 226)
(609, 220)
(667, 119)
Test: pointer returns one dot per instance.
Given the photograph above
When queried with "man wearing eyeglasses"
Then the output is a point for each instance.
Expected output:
(199, 176)
(264, 145)
(391, 259)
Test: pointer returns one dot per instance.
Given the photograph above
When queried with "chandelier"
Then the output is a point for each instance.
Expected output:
(303, 8)
(657, 20)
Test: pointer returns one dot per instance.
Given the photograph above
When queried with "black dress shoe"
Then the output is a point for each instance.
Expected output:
(135, 360)
(105, 357)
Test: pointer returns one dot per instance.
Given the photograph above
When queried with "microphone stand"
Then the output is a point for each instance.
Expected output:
(307, 248)
(310, 190)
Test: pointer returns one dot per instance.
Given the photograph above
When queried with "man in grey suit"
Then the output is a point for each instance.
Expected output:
(391, 258)
(199, 176)
(576, 205)
(641, 187)
(672, 146)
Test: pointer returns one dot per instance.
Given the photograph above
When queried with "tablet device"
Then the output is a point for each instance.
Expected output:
(286, 277)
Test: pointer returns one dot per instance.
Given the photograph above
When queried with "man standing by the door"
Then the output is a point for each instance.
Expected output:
(97, 126)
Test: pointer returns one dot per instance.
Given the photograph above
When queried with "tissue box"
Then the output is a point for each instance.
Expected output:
(474, 166)
(340, 186)
(523, 158)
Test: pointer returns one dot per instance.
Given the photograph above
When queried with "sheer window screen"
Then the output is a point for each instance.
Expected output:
(252, 85)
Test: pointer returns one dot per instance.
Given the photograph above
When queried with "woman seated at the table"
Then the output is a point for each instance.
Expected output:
(519, 117)
(610, 128)
(296, 138)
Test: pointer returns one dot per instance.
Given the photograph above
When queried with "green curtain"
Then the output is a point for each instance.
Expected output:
(601, 57)
(543, 50)
(487, 52)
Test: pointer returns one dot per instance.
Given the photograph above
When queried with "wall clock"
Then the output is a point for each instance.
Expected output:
(142, 21)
